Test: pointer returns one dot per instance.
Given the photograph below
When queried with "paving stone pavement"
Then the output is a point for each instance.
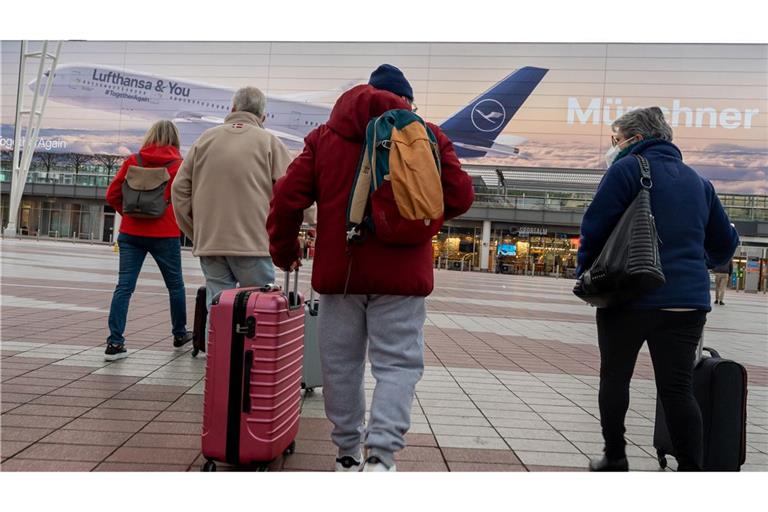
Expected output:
(510, 382)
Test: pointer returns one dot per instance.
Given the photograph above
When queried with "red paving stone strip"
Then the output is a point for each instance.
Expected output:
(68, 452)
(103, 413)
(165, 441)
(18, 420)
(314, 428)
(419, 440)
(11, 448)
(22, 433)
(481, 456)
(164, 427)
(84, 392)
(8, 406)
(61, 411)
(135, 405)
(76, 401)
(154, 455)
(17, 464)
(105, 425)
(179, 417)
(419, 454)
(188, 403)
(315, 447)
(132, 466)
(308, 462)
(421, 466)
(88, 437)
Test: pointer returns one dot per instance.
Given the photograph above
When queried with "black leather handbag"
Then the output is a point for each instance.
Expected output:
(629, 264)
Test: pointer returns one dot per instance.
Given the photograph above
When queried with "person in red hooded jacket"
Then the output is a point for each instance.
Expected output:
(372, 294)
(159, 237)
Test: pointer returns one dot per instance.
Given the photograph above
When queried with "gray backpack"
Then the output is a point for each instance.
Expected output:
(144, 190)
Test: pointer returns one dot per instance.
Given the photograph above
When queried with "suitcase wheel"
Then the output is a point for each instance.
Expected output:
(195, 351)
(291, 448)
(662, 458)
(209, 466)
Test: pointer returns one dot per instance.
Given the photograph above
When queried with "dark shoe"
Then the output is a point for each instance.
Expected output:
(605, 464)
(115, 352)
(180, 341)
(722, 303)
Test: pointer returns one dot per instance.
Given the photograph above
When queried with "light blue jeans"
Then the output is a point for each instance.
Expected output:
(227, 272)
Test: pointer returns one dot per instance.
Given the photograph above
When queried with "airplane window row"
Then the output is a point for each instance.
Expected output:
(201, 103)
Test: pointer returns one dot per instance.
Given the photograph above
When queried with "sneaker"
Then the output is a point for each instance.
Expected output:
(348, 464)
(180, 341)
(722, 303)
(374, 464)
(115, 352)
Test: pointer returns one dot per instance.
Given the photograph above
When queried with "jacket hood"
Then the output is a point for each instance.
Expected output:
(354, 108)
(154, 154)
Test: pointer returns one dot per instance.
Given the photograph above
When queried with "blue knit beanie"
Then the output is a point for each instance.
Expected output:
(390, 78)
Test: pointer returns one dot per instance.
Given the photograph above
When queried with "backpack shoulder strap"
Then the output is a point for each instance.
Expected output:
(139, 160)
(361, 189)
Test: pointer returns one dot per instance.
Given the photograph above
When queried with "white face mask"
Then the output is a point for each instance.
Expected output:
(610, 155)
(613, 151)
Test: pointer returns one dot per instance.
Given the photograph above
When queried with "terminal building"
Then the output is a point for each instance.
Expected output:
(546, 108)
(525, 220)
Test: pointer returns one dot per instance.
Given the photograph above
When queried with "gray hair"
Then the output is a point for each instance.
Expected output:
(249, 99)
(648, 122)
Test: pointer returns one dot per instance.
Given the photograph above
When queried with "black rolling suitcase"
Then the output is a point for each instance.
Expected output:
(201, 317)
(720, 387)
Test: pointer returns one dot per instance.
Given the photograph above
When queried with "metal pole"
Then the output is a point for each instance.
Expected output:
(13, 212)
(21, 165)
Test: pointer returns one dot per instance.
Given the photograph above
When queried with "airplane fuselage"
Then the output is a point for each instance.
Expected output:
(148, 97)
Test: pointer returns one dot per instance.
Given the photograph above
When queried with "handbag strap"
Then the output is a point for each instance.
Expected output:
(645, 172)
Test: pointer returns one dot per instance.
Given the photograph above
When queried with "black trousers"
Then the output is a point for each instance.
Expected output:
(672, 339)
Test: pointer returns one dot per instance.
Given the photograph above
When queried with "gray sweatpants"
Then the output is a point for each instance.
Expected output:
(390, 329)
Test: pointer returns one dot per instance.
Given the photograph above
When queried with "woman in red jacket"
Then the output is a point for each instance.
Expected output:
(157, 236)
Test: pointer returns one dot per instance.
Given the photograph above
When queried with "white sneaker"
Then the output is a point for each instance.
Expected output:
(348, 464)
(373, 464)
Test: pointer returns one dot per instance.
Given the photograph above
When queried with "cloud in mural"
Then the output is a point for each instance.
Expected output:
(79, 141)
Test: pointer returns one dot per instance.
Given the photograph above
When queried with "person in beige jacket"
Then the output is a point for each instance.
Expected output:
(221, 196)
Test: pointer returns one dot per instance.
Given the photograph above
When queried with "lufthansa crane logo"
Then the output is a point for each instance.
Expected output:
(488, 115)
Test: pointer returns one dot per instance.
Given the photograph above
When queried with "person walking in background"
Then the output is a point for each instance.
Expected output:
(155, 232)
(694, 233)
(372, 301)
(221, 196)
(723, 275)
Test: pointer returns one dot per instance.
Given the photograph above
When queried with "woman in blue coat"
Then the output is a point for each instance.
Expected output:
(695, 234)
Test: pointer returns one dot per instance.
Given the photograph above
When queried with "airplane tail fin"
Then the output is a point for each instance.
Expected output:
(477, 125)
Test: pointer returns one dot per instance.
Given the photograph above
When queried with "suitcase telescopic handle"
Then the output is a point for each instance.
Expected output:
(293, 295)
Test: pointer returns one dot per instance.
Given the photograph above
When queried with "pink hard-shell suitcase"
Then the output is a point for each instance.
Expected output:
(253, 375)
